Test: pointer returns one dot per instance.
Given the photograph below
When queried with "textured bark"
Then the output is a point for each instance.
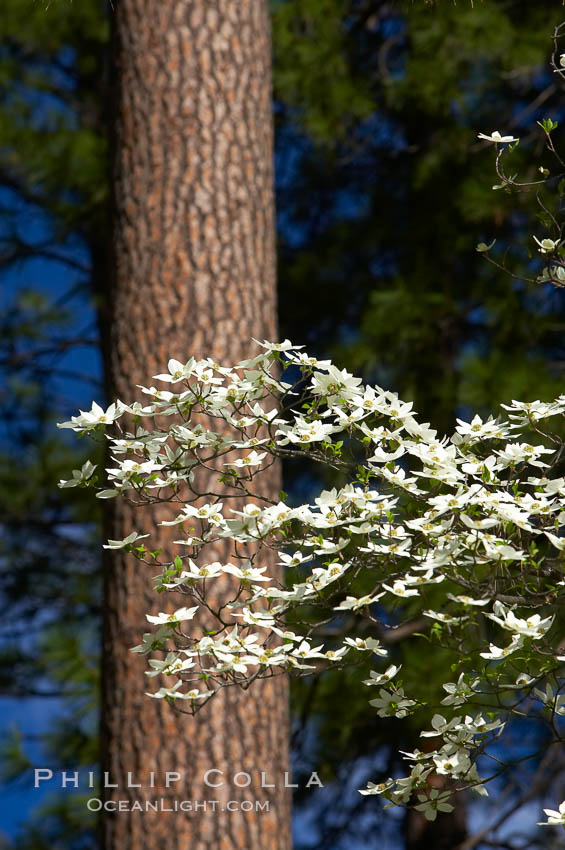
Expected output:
(194, 275)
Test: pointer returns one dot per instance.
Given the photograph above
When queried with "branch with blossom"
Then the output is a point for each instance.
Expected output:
(465, 533)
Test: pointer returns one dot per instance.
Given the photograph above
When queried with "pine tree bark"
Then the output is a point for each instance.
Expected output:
(193, 275)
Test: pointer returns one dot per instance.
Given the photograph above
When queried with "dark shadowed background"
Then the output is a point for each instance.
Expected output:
(383, 191)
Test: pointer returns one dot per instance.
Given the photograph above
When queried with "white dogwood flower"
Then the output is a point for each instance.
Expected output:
(497, 138)
(546, 246)
(178, 616)
(434, 802)
(555, 818)
(85, 421)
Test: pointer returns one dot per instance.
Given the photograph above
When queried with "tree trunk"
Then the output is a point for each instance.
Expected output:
(194, 275)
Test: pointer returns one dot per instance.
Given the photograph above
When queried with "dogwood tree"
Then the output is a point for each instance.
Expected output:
(456, 540)
(462, 533)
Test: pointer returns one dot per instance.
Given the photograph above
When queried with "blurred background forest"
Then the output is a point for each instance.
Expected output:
(383, 192)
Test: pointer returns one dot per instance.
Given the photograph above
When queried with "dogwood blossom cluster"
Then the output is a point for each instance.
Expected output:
(549, 244)
(457, 541)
